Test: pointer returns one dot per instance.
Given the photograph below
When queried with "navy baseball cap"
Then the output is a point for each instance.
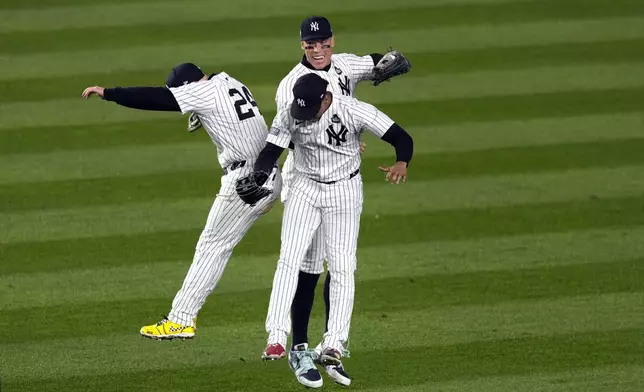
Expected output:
(315, 28)
(183, 74)
(308, 93)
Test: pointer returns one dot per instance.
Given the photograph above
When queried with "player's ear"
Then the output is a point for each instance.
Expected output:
(332, 41)
(303, 45)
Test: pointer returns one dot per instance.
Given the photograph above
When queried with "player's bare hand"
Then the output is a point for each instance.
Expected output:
(395, 173)
(98, 90)
(362, 147)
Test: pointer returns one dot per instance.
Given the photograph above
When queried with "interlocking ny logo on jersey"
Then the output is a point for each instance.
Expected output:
(337, 137)
(344, 86)
(301, 102)
(315, 26)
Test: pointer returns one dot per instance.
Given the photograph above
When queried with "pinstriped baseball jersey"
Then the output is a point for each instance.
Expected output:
(229, 114)
(345, 72)
(329, 149)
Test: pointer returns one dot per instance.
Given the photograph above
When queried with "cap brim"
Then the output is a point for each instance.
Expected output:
(306, 113)
(315, 37)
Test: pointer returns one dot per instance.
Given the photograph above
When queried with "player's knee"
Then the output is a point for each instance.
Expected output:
(342, 266)
(289, 264)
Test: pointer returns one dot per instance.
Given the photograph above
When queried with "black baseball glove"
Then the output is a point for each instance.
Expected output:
(393, 63)
(250, 189)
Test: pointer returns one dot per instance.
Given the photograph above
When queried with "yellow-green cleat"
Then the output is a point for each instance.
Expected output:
(166, 329)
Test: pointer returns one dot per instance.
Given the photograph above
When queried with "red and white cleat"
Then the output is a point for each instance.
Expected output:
(273, 352)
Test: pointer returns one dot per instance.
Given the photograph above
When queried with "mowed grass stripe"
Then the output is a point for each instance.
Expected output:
(101, 279)
(504, 82)
(263, 240)
(436, 327)
(425, 63)
(375, 297)
(81, 15)
(176, 163)
(428, 139)
(593, 379)
(563, 352)
(232, 9)
(586, 77)
(151, 230)
(51, 4)
(411, 113)
(431, 190)
(150, 31)
(247, 51)
(440, 256)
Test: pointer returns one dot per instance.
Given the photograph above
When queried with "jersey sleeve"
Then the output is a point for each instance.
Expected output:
(284, 94)
(361, 66)
(196, 97)
(368, 117)
(280, 134)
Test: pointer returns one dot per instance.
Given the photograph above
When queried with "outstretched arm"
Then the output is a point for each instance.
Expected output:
(144, 98)
(404, 145)
(367, 116)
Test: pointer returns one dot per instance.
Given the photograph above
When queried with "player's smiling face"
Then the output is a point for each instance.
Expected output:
(318, 53)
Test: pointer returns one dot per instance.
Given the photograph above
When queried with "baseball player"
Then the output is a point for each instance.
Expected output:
(326, 193)
(343, 72)
(231, 117)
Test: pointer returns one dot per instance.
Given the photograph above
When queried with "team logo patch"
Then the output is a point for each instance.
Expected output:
(335, 119)
(337, 70)
(338, 137)
(315, 26)
(301, 103)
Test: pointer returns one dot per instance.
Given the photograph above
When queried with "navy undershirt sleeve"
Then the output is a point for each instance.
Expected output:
(402, 142)
(144, 98)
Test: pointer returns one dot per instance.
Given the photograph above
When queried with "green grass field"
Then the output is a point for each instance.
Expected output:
(513, 260)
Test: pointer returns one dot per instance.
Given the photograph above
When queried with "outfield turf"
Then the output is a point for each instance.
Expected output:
(513, 260)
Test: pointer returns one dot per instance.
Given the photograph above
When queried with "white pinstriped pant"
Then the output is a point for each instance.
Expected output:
(336, 208)
(313, 262)
(228, 221)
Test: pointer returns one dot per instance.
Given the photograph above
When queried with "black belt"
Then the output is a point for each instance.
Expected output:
(355, 173)
(234, 166)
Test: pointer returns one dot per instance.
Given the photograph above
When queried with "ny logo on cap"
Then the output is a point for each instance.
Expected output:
(301, 102)
(315, 26)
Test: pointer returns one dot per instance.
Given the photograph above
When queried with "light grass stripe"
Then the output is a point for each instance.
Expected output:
(596, 379)
(259, 50)
(197, 154)
(110, 353)
(507, 82)
(122, 161)
(114, 15)
(75, 111)
(532, 132)
(380, 200)
(161, 279)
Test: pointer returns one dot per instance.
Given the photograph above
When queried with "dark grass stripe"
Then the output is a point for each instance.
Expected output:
(204, 183)
(520, 356)
(39, 4)
(434, 112)
(377, 297)
(287, 26)
(263, 239)
(270, 73)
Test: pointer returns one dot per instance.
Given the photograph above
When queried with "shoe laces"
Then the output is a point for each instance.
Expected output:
(163, 320)
(305, 359)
